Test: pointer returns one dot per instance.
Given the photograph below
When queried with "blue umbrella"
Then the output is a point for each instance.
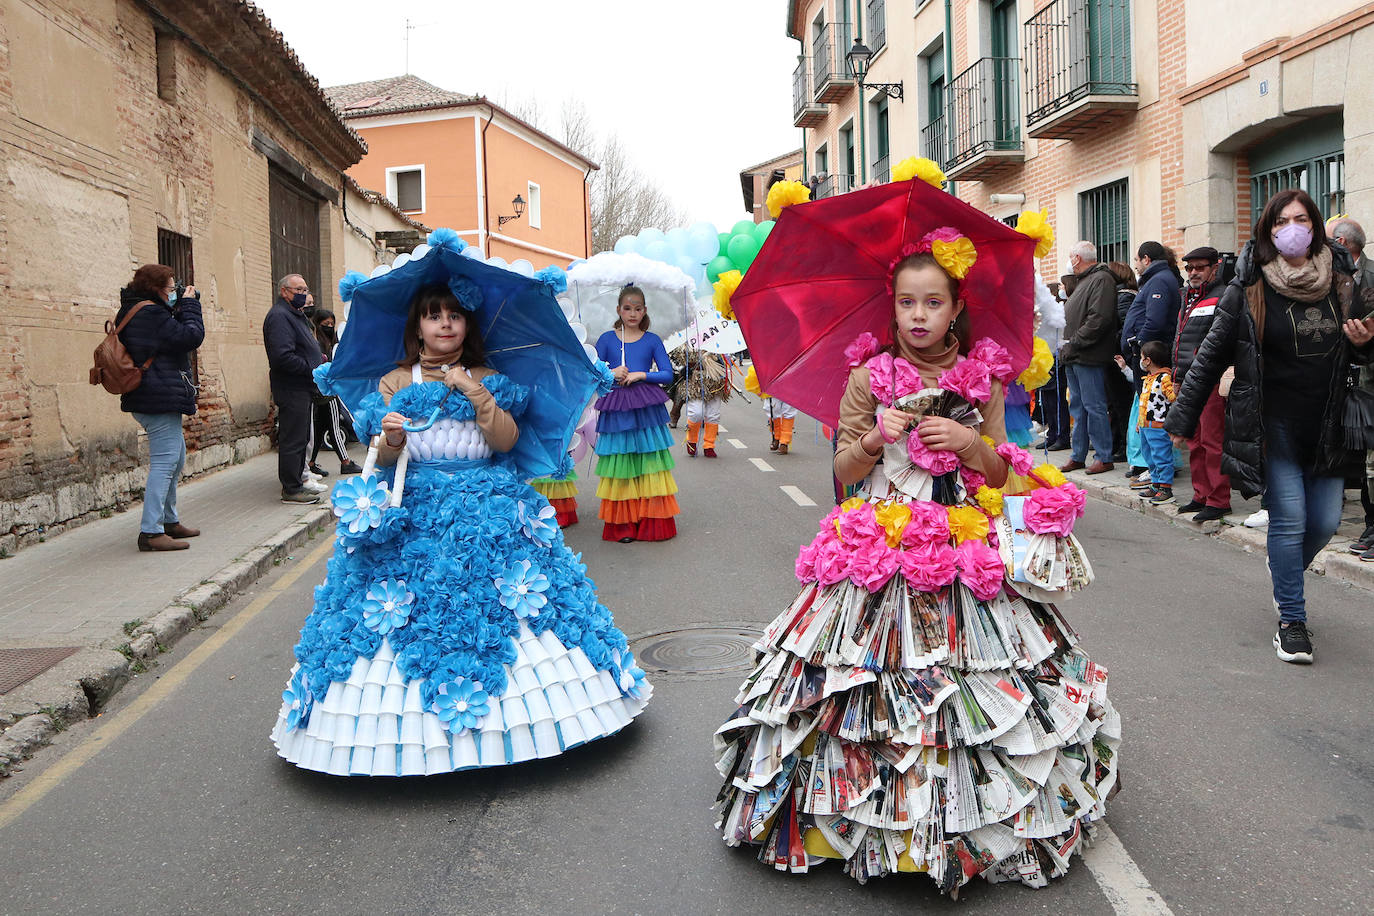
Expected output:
(527, 339)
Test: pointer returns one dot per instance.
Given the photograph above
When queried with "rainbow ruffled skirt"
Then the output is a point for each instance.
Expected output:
(561, 492)
(635, 464)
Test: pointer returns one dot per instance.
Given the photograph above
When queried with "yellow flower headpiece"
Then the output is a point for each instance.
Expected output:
(952, 250)
(924, 169)
(725, 287)
(1038, 372)
(751, 383)
(785, 194)
(1037, 226)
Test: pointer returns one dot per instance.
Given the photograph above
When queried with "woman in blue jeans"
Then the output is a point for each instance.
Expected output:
(1284, 322)
(166, 327)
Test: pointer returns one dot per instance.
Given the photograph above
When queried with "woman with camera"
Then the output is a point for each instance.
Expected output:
(166, 327)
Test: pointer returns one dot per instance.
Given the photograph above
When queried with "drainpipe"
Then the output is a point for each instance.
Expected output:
(482, 244)
(949, 76)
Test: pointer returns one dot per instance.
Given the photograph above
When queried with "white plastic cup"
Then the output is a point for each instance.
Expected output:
(577, 696)
(352, 702)
(514, 711)
(593, 724)
(339, 761)
(547, 673)
(464, 751)
(412, 760)
(571, 733)
(412, 729)
(435, 733)
(558, 701)
(437, 760)
(538, 706)
(493, 748)
(388, 730)
(545, 739)
(366, 734)
(566, 669)
(521, 743)
(362, 762)
(384, 761)
(526, 680)
(393, 700)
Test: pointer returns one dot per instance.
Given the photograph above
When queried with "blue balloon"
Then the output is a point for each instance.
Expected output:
(702, 242)
(678, 239)
(650, 234)
(627, 244)
(658, 250)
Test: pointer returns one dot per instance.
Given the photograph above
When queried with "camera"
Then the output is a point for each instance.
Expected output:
(181, 289)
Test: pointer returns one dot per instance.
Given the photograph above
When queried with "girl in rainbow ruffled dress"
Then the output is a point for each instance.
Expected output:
(920, 706)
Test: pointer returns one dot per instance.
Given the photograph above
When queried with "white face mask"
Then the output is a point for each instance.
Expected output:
(1068, 265)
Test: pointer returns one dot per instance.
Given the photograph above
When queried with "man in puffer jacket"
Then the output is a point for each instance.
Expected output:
(292, 355)
(1211, 488)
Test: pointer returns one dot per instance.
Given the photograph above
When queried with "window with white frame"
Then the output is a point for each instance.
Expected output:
(535, 211)
(405, 187)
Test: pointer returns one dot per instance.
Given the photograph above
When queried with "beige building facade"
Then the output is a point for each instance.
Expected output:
(182, 132)
(1128, 120)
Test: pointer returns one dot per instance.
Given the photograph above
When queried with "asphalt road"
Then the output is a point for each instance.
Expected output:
(1248, 783)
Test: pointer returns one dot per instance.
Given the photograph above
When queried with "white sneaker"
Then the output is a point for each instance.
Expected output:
(314, 486)
(1259, 519)
(311, 475)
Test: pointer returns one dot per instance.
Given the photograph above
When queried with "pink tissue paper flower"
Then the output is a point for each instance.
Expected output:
(972, 479)
(871, 565)
(928, 568)
(863, 347)
(993, 355)
(936, 461)
(890, 378)
(943, 234)
(1020, 460)
(860, 526)
(980, 568)
(832, 563)
(806, 562)
(929, 526)
(971, 379)
(1053, 510)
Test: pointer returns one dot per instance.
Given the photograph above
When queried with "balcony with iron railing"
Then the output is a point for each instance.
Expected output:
(1078, 67)
(935, 142)
(983, 105)
(831, 185)
(829, 70)
(806, 111)
(881, 172)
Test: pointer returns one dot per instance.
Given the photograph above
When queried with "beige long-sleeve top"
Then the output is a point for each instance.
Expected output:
(858, 406)
(497, 425)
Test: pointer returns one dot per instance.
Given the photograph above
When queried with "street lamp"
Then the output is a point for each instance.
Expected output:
(857, 59)
(519, 205)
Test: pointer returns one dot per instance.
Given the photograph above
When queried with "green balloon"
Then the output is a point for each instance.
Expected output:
(744, 225)
(762, 229)
(743, 249)
(724, 241)
(718, 266)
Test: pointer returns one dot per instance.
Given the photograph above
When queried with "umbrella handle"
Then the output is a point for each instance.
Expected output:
(411, 426)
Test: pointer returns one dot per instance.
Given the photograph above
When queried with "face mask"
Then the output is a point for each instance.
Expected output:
(1068, 266)
(298, 300)
(1293, 240)
(171, 297)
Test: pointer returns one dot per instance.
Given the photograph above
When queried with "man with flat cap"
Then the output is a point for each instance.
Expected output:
(1211, 488)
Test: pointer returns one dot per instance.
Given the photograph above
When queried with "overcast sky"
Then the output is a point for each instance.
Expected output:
(696, 92)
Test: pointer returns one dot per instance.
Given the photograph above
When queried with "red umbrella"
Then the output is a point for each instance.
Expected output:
(820, 280)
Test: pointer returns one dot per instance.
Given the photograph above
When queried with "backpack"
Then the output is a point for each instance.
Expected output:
(114, 368)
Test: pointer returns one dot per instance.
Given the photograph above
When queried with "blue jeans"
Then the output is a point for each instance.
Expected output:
(1304, 511)
(1088, 407)
(166, 458)
(1159, 455)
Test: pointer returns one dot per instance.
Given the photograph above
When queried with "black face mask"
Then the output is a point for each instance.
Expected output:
(298, 300)
(310, 310)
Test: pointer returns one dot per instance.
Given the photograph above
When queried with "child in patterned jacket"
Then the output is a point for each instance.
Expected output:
(1156, 395)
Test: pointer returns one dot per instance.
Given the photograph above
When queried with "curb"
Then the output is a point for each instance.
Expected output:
(1335, 562)
(80, 686)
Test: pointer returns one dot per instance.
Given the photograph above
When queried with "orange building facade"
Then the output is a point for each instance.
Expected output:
(459, 161)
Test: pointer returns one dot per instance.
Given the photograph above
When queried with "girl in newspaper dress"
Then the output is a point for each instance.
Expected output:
(918, 707)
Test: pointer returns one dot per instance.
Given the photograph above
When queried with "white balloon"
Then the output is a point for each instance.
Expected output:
(419, 252)
(579, 330)
(402, 258)
(522, 267)
(574, 442)
(627, 244)
(472, 251)
(380, 269)
(497, 261)
(589, 350)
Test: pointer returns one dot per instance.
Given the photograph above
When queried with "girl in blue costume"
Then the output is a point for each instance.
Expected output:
(633, 443)
(457, 631)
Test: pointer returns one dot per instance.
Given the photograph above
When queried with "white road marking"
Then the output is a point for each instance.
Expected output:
(797, 495)
(1121, 880)
(736, 443)
(761, 465)
(721, 429)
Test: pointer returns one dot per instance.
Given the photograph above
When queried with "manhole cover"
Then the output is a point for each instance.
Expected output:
(697, 650)
(20, 665)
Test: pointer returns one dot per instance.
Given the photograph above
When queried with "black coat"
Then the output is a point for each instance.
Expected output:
(1193, 324)
(1233, 340)
(292, 350)
(168, 333)
(1090, 319)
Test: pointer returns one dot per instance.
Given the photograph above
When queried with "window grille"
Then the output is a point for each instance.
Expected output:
(1105, 215)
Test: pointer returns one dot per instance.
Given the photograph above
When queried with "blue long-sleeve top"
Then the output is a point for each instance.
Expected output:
(640, 356)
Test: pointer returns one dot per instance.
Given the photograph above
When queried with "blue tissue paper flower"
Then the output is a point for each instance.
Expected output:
(468, 293)
(349, 283)
(605, 378)
(322, 380)
(387, 606)
(359, 501)
(554, 277)
(444, 237)
(461, 704)
(539, 525)
(298, 700)
(522, 589)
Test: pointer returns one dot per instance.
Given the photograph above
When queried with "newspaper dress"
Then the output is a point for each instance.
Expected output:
(455, 630)
(922, 706)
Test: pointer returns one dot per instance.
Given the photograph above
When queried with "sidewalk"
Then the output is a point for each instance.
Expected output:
(108, 608)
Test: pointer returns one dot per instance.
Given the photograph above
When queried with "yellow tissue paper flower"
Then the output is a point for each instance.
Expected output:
(967, 524)
(924, 169)
(990, 499)
(1050, 475)
(989, 440)
(955, 257)
(785, 194)
(725, 288)
(751, 383)
(893, 517)
(848, 505)
(1037, 226)
(1037, 373)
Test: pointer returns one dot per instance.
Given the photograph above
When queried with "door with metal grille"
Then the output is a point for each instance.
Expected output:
(294, 213)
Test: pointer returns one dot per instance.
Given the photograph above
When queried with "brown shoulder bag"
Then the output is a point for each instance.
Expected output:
(114, 368)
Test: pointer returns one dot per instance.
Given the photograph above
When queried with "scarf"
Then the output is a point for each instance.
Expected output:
(1308, 283)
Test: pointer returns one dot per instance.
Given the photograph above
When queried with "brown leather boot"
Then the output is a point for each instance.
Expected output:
(178, 530)
(159, 542)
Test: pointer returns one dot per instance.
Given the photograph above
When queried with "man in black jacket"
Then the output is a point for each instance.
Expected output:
(1087, 352)
(292, 355)
(1211, 488)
